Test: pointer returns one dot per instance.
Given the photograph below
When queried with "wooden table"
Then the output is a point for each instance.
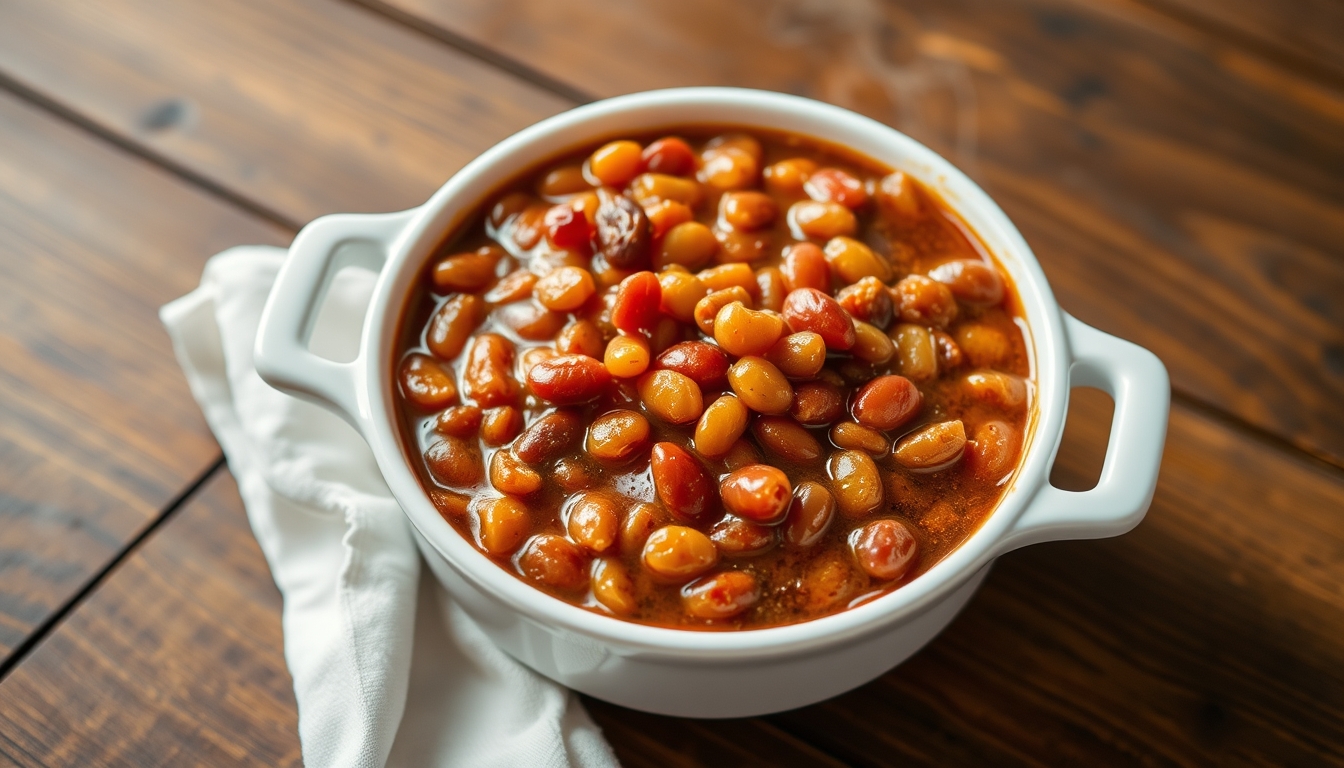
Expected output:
(1178, 166)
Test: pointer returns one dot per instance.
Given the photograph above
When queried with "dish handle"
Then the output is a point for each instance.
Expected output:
(321, 250)
(1136, 379)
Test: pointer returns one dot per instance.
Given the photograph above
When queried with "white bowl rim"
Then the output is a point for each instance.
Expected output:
(749, 108)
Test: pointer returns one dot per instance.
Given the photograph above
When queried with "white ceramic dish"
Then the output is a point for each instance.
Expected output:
(738, 673)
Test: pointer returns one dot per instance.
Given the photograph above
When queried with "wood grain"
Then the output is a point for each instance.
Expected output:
(306, 107)
(98, 431)
(1182, 194)
(1209, 635)
(173, 661)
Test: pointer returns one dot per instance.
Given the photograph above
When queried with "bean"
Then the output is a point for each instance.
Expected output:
(852, 261)
(770, 288)
(669, 155)
(742, 454)
(736, 537)
(651, 188)
(488, 379)
(1000, 390)
(568, 229)
(501, 525)
(856, 484)
(721, 596)
(949, 354)
(452, 325)
(798, 355)
(728, 276)
(886, 402)
(617, 435)
(921, 300)
(897, 196)
(616, 163)
(707, 309)
(612, 586)
(508, 207)
(663, 216)
(993, 452)
(760, 385)
(720, 426)
(869, 300)
(452, 505)
(700, 361)
(426, 384)
(984, 346)
(810, 513)
(516, 286)
(742, 142)
(832, 185)
(549, 437)
(468, 272)
(786, 177)
(820, 221)
(572, 473)
(530, 357)
(639, 522)
(635, 310)
(671, 396)
(565, 289)
(741, 331)
(808, 309)
(500, 425)
(681, 483)
(459, 421)
(594, 521)
(885, 549)
(568, 379)
(917, 354)
(623, 233)
(527, 227)
(805, 267)
(681, 291)
(563, 181)
(678, 553)
(530, 320)
(690, 244)
(666, 333)
(856, 437)
(581, 337)
(554, 562)
(511, 476)
(736, 246)
(817, 403)
(627, 357)
(784, 437)
(828, 582)
(729, 168)
(871, 345)
(931, 448)
(455, 462)
(746, 211)
(758, 492)
(972, 281)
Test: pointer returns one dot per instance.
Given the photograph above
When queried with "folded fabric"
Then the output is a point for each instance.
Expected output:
(387, 669)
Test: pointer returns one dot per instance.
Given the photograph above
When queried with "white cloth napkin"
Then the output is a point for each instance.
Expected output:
(387, 669)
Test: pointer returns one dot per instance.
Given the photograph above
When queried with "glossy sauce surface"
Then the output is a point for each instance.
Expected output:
(714, 379)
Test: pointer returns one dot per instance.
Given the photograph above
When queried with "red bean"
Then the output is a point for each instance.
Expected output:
(885, 549)
(721, 596)
(699, 361)
(808, 309)
(636, 309)
(681, 483)
(758, 492)
(809, 516)
(554, 562)
(549, 437)
(568, 228)
(886, 402)
(568, 379)
(669, 155)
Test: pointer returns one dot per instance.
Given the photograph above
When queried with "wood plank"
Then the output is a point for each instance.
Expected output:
(1180, 193)
(305, 107)
(1307, 33)
(98, 431)
(1211, 634)
(175, 660)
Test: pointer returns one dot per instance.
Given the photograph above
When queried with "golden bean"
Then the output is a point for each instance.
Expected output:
(679, 553)
(627, 356)
(917, 358)
(820, 221)
(741, 331)
(671, 396)
(786, 177)
(563, 181)
(855, 483)
(856, 437)
(426, 384)
(616, 163)
(852, 260)
(593, 521)
(690, 244)
(501, 525)
(707, 309)
(511, 476)
(617, 435)
(871, 345)
(651, 188)
(581, 337)
(760, 385)
(612, 586)
(984, 346)
(770, 287)
(727, 276)
(681, 292)
(746, 211)
(721, 596)
(565, 289)
(639, 522)
(786, 439)
(798, 355)
(720, 426)
(1001, 390)
(931, 448)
